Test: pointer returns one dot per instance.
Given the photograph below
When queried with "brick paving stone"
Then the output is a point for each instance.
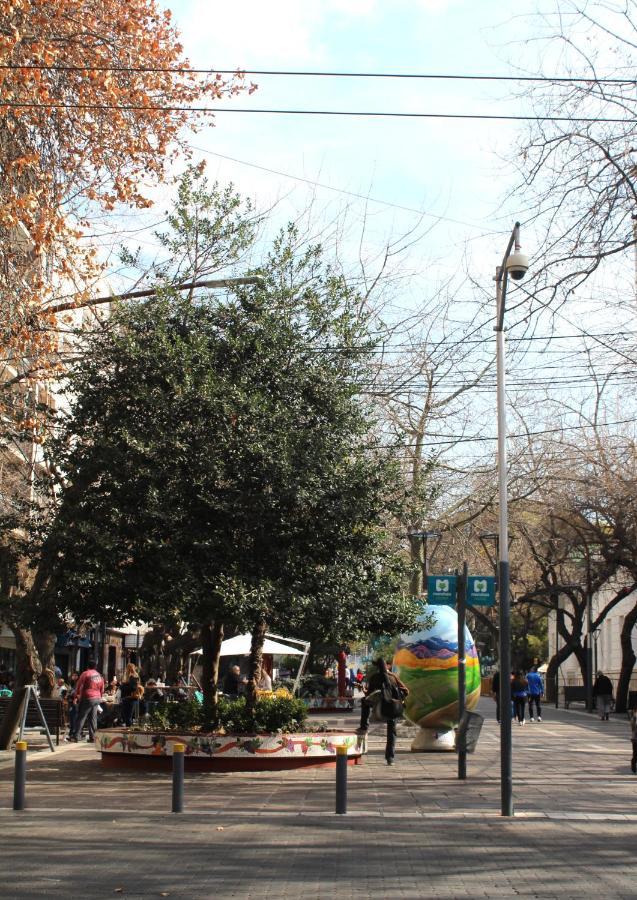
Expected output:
(412, 831)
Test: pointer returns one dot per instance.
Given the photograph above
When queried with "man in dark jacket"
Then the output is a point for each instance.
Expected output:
(603, 691)
(373, 695)
(495, 690)
(234, 682)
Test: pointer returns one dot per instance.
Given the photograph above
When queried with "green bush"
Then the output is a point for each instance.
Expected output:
(270, 714)
(172, 715)
(318, 686)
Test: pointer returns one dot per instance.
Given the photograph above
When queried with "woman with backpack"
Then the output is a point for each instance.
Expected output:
(519, 693)
(387, 690)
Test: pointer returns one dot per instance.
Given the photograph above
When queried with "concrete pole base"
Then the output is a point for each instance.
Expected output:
(432, 740)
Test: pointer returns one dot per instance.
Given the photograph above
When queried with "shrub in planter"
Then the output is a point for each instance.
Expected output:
(271, 714)
(318, 686)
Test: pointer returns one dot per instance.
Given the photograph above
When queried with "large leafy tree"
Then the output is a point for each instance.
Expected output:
(220, 465)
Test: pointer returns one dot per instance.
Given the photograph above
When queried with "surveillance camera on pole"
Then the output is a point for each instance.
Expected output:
(517, 265)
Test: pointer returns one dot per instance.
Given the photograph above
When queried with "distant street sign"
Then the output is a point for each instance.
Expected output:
(441, 590)
(480, 590)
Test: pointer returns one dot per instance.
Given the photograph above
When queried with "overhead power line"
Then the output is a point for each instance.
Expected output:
(461, 439)
(343, 191)
(295, 73)
(354, 113)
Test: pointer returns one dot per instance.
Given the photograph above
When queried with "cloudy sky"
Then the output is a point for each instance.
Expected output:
(438, 167)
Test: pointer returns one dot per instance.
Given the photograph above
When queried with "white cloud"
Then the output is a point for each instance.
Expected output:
(238, 34)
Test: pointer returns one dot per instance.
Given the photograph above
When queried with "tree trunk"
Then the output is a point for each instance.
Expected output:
(417, 587)
(554, 663)
(150, 650)
(27, 661)
(628, 661)
(256, 659)
(211, 640)
(177, 652)
(45, 644)
(27, 667)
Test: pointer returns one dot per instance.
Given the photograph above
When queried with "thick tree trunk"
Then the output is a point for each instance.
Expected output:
(211, 640)
(45, 645)
(256, 659)
(28, 664)
(628, 660)
(150, 650)
(27, 667)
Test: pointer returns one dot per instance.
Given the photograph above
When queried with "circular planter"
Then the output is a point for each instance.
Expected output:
(226, 752)
(329, 704)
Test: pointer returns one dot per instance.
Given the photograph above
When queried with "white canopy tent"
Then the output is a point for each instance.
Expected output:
(240, 646)
(273, 644)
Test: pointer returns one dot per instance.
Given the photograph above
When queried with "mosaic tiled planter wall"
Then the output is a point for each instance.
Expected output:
(226, 752)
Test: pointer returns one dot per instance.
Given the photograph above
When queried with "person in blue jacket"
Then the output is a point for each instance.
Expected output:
(535, 687)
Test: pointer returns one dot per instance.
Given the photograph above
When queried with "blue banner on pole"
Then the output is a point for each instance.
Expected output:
(441, 590)
(481, 590)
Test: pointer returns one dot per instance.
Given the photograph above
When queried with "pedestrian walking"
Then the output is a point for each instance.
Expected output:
(519, 693)
(495, 691)
(603, 692)
(385, 690)
(633, 737)
(535, 687)
(88, 694)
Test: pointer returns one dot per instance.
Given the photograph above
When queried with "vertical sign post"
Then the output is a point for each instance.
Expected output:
(462, 670)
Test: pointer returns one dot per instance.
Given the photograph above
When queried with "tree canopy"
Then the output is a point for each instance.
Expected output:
(220, 463)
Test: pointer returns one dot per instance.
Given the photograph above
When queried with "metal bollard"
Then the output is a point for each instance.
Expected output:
(20, 777)
(178, 777)
(341, 780)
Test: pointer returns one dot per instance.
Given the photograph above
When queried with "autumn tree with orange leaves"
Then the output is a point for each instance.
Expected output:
(93, 97)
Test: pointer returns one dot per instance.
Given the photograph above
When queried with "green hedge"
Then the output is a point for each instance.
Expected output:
(271, 714)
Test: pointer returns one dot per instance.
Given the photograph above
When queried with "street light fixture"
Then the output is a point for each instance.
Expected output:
(516, 265)
(216, 283)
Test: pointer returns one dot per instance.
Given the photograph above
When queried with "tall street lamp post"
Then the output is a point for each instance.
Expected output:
(516, 265)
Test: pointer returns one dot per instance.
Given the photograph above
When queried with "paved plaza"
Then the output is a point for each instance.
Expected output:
(411, 831)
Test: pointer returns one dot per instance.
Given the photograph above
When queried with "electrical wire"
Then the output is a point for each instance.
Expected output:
(346, 193)
(480, 438)
(372, 114)
(423, 76)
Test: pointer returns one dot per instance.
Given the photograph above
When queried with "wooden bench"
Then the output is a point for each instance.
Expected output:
(574, 694)
(53, 711)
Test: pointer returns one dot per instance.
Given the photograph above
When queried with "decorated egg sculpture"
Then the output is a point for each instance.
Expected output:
(427, 663)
